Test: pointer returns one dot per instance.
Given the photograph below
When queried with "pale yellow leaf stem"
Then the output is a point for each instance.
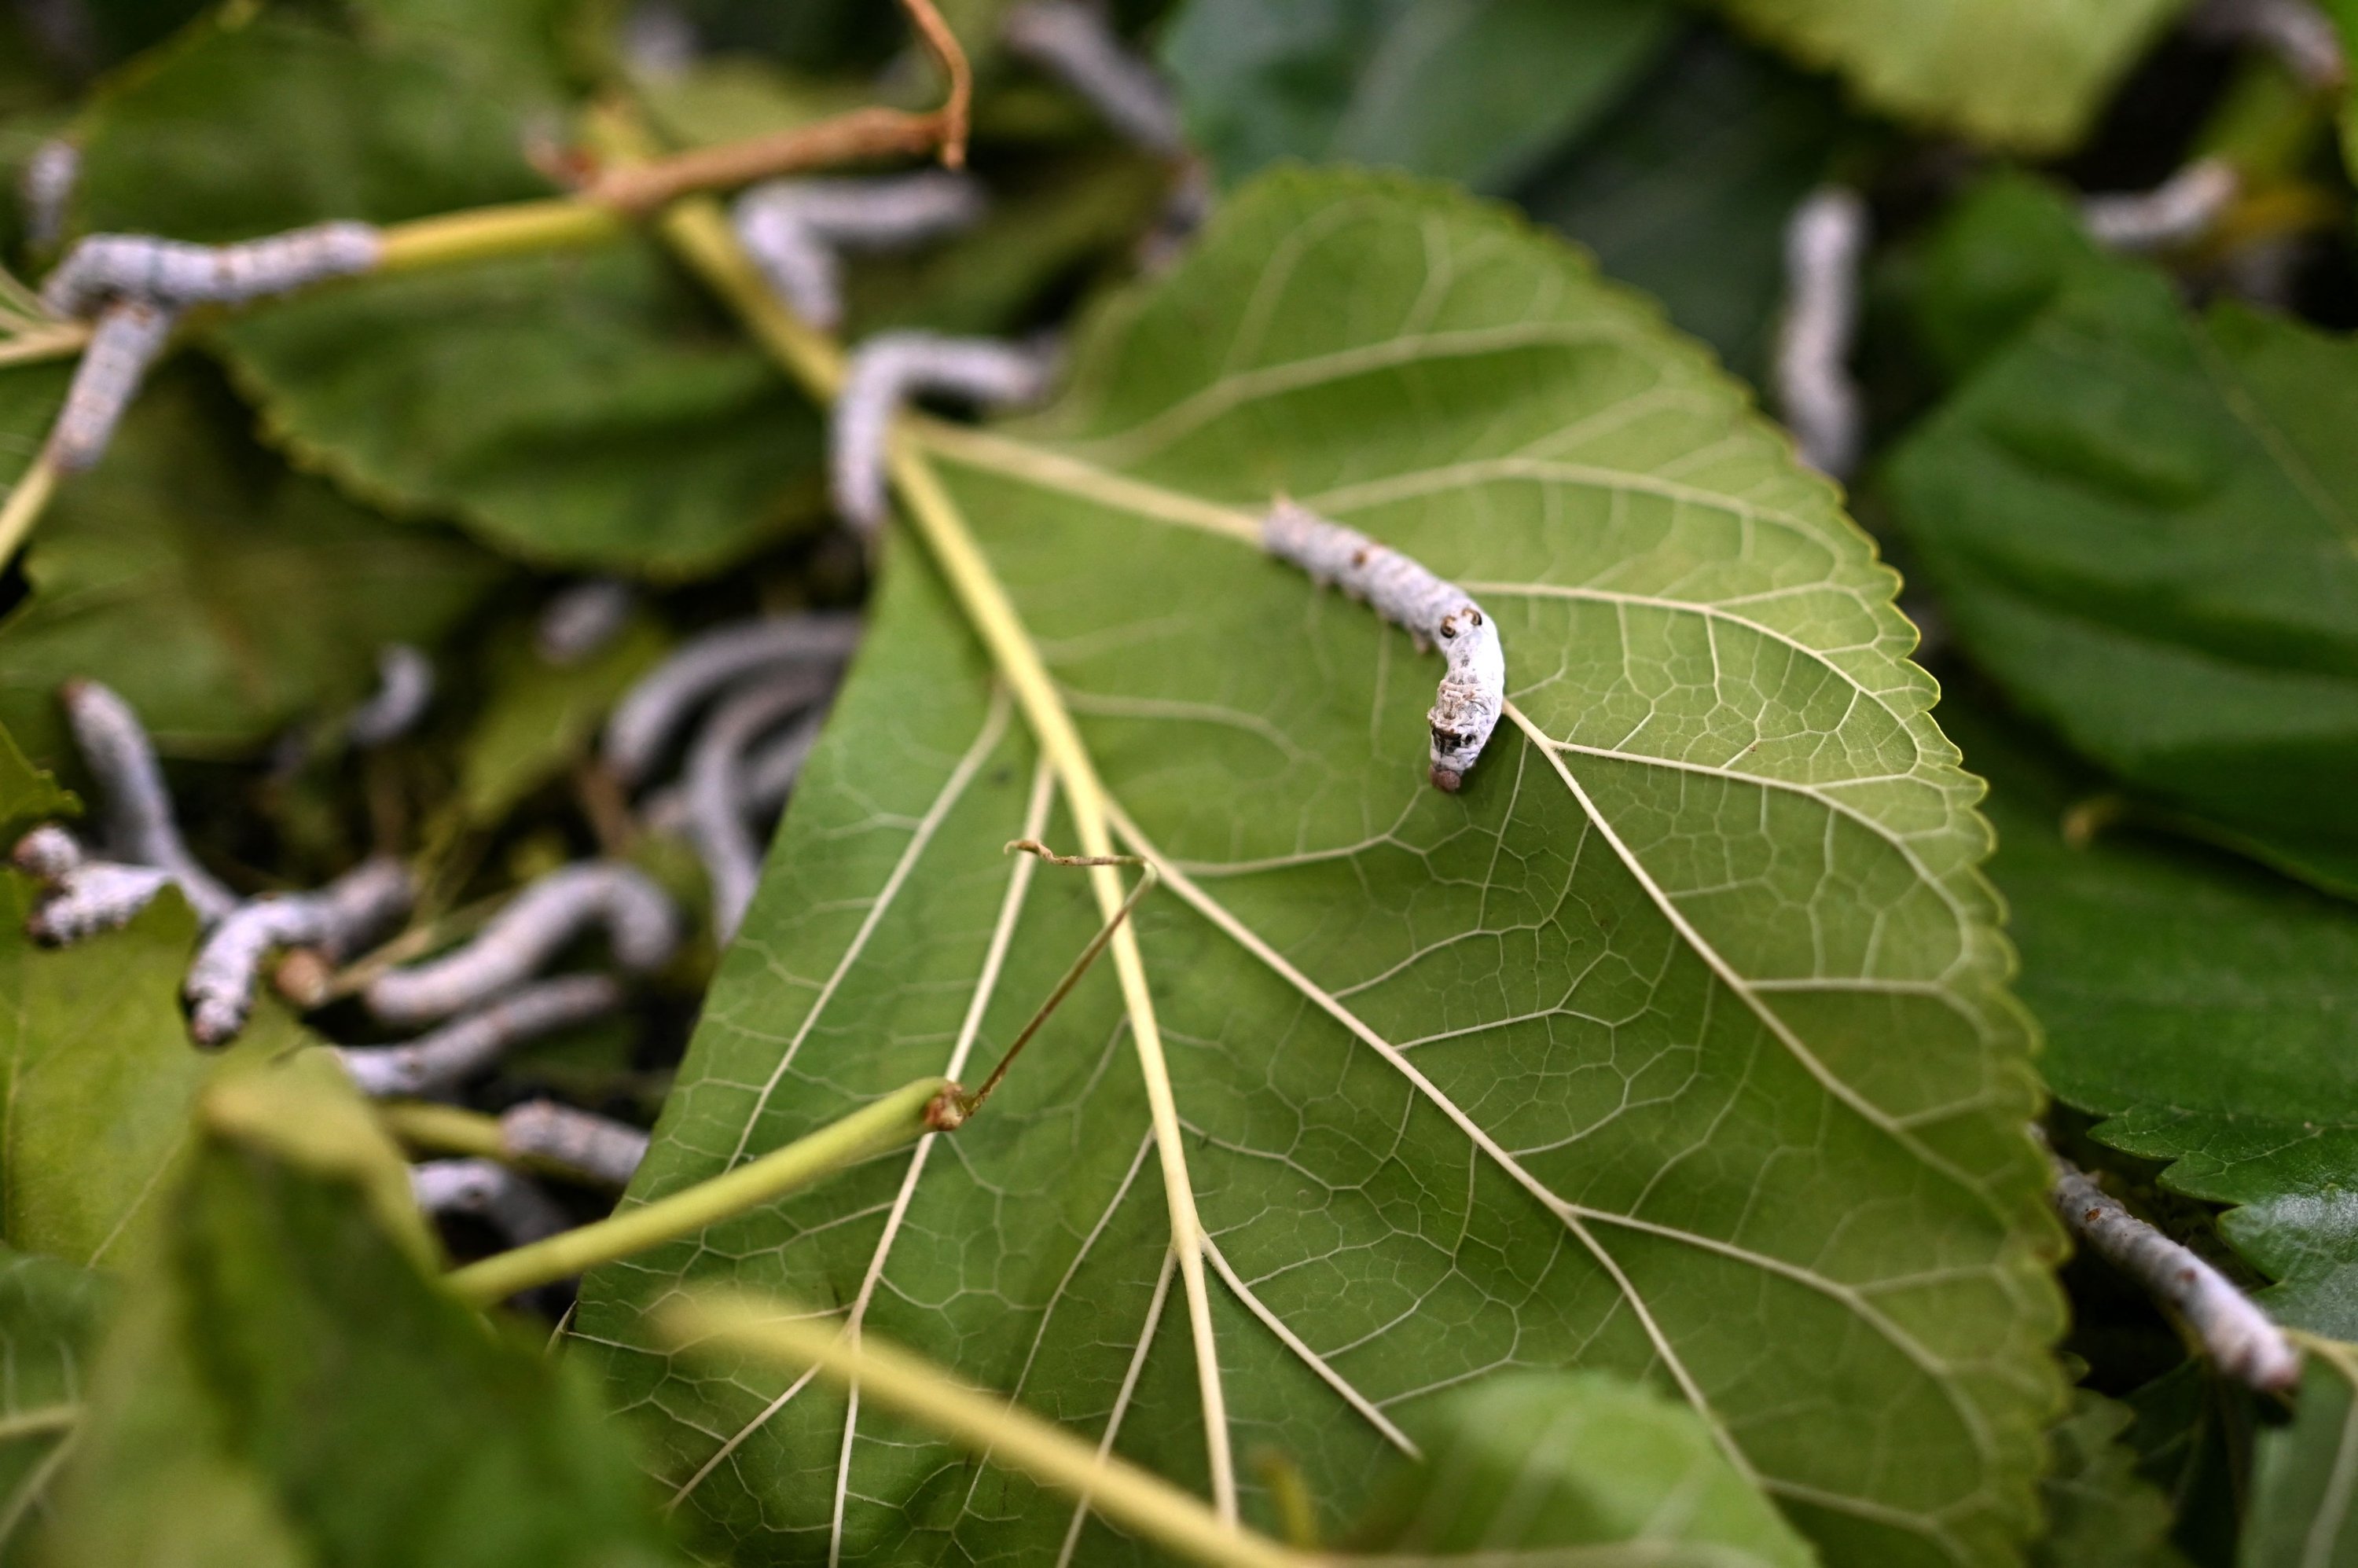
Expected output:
(25, 503)
(1132, 1498)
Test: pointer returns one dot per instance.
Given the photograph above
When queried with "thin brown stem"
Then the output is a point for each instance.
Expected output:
(1033, 846)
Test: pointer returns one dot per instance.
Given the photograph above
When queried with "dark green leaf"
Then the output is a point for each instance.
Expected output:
(2100, 1512)
(538, 718)
(2145, 525)
(222, 594)
(1998, 258)
(1476, 92)
(2303, 1511)
(282, 1385)
(28, 794)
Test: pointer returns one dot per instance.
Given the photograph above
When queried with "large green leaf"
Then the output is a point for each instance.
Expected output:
(2205, 1009)
(2024, 74)
(221, 594)
(284, 1387)
(28, 795)
(2304, 1510)
(2141, 523)
(1467, 89)
(1675, 1045)
(1534, 1460)
(50, 1318)
(2100, 1512)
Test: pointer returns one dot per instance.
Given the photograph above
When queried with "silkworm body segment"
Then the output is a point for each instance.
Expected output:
(1072, 42)
(892, 367)
(1825, 243)
(139, 825)
(220, 982)
(465, 1046)
(131, 335)
(653, 712)
(1473, 691)
(794, 228)
(175, 274)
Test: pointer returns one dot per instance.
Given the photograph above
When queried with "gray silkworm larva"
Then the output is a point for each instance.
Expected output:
(1074, 43)
(596, 1147)
(139, 826)
(887, 371)
(1435, 613)
(130, 336)
(176, 273)
(2241, 1339)
(404, 686)
(337, 919)
(576, 621)
(506, 1200)
(2178, 212)
(1825, 242)
(47, 853)
(653, 712)
(465, 1046)
(94, 896)
(794, 228)
(716, 790)
(47, 186)
(768, 776)
(2298, 33)
(641, 928)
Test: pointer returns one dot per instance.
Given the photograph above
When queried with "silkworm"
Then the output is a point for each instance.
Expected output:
(2178, 212)
(465, 1046)
(337, 919)
(641, 928)
(716, 790)
(793, 229)
(653, 712)
(1435, 613)
(175, 274)
(886, 371)
(130, 336)
(765, 781)
(139, 826)
(94, 896)
(507, 1200)
(2241, 1339)
(596, 1147)
(580, 620)
(2299, 34)
(1825, 242)
(404, 686)
(48, 185)
(46, 854)
(1073, 42)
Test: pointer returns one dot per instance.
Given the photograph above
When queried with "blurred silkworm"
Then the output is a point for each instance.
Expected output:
(641, 928)
(1825, 243)
(2298, 33)
(465, 1046)
(579, 620)
(772, 767)
(2178, 212)
(886, 371)
(337, 919)
(716, 801)
(130, 336)
(47, 188)
(507, 1200)
(793, 229)
(1074, 43)
(596, 1147)
(653, 712)
(2242, 1342)
(47, 853)
(404, 686)
(94, 896)
(1435, 613)
(176, 274)
(139, 825)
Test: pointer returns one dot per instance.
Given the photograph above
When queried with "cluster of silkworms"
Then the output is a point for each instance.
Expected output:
(1825, 246)
(796, 231)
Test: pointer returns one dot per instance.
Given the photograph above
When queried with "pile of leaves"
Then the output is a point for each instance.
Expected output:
(1640, 1155)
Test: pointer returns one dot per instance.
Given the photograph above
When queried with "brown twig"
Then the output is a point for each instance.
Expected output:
(1033, 846)
(863, 134)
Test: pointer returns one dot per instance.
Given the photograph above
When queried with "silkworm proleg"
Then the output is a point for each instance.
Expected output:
(1826, 243)
(1074, 43)
(641, 928)
(337, 919)
(653, 712)
(130, 336)
(139, 825)
(465, 1046)
(889, 370)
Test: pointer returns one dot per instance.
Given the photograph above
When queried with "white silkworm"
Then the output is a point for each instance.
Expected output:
(652, 712)
(175, 274)
(716, 799)
(596, 1147)
(47, 853)
(1074, 43)
(139, 822)
(794, 228)
(641, 928)
(2299, 34)
(1435, 613)
(94, 896)
(404, 686)
(507, 1200)
(580, 620)
(1825, 243)
(768, 776)
(886, 371)
(2241, 1339)
(2178, 212)
(337, 919)
(130, 336)
(50, 175)
(465, 1046)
